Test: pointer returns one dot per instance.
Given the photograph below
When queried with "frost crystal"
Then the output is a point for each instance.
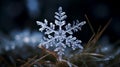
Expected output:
(59, 34)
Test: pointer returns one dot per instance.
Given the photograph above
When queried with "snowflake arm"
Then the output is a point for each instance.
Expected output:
(59, 17)
(48, 42)
(73, 42)
(45, 27)
(76, 26)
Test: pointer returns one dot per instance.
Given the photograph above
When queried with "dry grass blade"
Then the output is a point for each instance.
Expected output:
(91, 27)
(93, 54)
(88, 44)
(89, 24)
(100, 33)
(37, 60)
(33, 60)
(28, 62)
(95, 37)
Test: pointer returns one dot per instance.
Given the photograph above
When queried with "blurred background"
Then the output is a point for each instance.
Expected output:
(18, 18)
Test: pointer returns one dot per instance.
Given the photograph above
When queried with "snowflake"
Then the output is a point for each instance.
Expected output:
(59, 34)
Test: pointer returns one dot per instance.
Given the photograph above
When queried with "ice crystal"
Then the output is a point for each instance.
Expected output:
(59, 34)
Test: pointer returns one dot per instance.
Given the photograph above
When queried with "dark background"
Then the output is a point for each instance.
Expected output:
(22, 14)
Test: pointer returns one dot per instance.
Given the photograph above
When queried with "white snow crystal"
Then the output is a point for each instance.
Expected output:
(59, 34)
